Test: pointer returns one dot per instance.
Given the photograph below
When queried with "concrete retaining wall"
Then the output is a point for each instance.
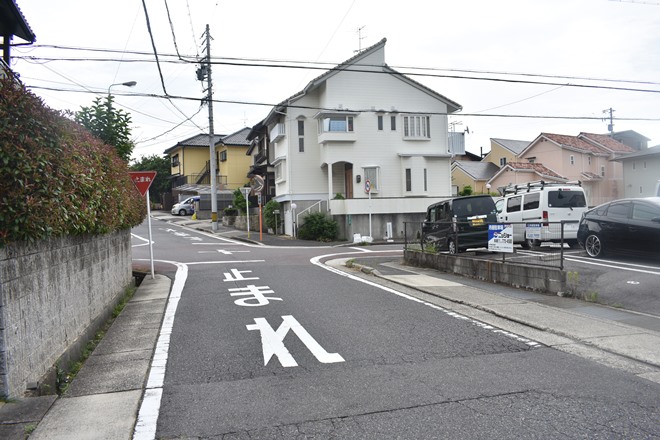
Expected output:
(53, 295)
(542, 279)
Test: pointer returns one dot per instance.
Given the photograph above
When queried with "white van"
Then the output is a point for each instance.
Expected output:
(536, 208)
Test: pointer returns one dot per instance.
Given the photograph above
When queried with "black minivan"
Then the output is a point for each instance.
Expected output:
(459, 223)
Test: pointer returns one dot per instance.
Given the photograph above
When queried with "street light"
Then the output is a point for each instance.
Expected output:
(127, 84)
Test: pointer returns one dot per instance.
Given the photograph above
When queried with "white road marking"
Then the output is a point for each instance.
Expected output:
(631, 269)
(317, 262)
(146, 241)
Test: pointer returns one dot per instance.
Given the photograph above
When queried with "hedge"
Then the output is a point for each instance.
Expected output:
(55, 177)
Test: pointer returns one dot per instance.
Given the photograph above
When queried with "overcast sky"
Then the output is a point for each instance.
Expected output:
(604, 43)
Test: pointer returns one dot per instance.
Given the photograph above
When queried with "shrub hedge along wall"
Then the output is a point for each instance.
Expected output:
(55, 177)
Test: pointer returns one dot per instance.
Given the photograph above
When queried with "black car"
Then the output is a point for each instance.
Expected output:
(459, 223)
(630, 226)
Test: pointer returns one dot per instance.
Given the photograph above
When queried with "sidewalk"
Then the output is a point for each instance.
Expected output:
(103, 400)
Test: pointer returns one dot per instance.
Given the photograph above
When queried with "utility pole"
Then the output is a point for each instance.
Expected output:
(610, 126)
(204, 72)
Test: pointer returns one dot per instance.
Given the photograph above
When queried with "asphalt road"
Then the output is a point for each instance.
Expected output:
(267, 344)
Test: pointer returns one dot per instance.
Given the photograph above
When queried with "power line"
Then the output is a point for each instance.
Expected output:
(411, 111)
(266, 62)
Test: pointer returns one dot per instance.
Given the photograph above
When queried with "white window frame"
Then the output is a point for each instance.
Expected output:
(417, 127)
(326, 124)
(502, 161)
(372, 174)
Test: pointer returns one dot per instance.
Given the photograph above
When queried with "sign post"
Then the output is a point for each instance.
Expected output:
(367, 189)
(142, 181)
(257, 186)
(246, 192)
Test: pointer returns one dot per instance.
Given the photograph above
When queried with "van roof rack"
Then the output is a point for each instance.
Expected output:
(537, 185)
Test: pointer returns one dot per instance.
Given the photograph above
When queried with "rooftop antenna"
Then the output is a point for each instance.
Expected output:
(360, 38)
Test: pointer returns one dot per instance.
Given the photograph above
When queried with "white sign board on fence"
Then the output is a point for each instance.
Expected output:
(533, 231)
(500, 237)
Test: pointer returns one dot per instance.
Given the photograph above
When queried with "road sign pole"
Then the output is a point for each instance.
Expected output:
(151, 242)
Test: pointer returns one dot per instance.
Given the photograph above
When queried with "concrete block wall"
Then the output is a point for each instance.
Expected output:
(52, 293)
(541, 279)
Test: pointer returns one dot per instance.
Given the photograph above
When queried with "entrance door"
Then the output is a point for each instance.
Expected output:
(348, 180)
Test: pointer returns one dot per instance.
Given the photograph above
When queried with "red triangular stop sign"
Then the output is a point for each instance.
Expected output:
(142, 180)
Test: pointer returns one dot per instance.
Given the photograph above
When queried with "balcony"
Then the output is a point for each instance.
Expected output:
(278, 132)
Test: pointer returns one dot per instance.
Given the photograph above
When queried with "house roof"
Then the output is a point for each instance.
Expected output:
(345, 66)
(651, 151)
(238, 138)
(199, 140)
(516, 147)
(607, 142)
(12, 21)
(571, 143)
(477, 170)
(535, 168)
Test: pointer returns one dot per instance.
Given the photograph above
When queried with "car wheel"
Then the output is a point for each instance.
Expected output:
(525, 244)
(182, 212)
(594, 246)
(452, 247)
(532, 244)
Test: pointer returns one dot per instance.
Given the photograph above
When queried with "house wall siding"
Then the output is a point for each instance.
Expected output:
(641, 180)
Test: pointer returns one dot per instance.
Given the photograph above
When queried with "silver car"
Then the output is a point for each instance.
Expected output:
(187, 207)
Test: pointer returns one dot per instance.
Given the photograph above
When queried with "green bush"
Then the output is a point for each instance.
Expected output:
(55, 177)
(269, 217)
(318, 227)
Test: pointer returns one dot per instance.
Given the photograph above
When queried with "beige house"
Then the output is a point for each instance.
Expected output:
(586, 157)
(516, 173)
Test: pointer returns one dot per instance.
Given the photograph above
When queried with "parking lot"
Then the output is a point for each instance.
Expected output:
(632, 283)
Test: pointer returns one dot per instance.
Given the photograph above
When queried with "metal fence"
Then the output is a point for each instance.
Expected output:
(538, 244)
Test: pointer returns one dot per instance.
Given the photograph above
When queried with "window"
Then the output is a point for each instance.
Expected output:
(566, 199)
(644, 212)
(301, 136)
(502, 161)
(633, 164)
(223, 156)
(417, 127)
(337, 124)
(513, 204)
(372, 174)
(393, 123)
(572, 159)
(602, 171)
(618, 210)
(408, 179)
(425, 181)
(532, 201)
(380, 122)
(175, 160)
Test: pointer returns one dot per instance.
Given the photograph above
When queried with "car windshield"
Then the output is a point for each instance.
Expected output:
(566, 199)
(475, 206)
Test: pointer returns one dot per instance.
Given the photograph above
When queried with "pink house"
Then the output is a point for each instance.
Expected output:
(586, 157)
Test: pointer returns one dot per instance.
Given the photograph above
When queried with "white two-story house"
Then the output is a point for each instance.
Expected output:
(361, 122)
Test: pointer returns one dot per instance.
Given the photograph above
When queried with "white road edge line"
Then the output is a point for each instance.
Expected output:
(147, 421)
(316, 261)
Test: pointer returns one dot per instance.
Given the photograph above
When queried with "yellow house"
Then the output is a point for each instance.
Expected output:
(503, 151)
(191, 165)
(233, 160)
(473, 174)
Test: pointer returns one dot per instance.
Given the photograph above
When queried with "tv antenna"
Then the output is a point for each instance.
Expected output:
(360, 38)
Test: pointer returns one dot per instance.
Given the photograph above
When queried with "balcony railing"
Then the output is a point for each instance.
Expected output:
(199, 179)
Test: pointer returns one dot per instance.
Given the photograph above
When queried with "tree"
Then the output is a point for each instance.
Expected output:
(108, 124)
(161, 183)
